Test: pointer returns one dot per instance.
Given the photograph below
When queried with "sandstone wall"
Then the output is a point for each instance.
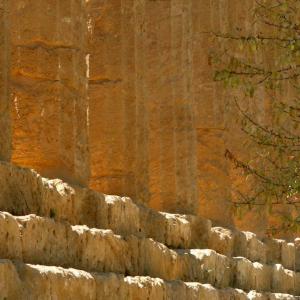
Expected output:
(47, 86)
(156, 124)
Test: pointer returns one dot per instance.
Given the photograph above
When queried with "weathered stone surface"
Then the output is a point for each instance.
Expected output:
(24, 192)
(43, 68)
(248, 276)
(206, 266)
(221, 240)
(39, 240)
(141, 97)
(283, 280)
(10, 283)
(288, 255)
(5, 120)
(56, 283)
(297, 254)
(20, 281)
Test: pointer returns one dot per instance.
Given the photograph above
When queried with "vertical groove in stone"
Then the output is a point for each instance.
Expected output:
(5, 123)
(213, 178)
(166, 112)
(48, 87)
(153, 95)
(191, 201)
(128, 94)
(107, 85)
(142, 115)
(180, 109)
(142, 128)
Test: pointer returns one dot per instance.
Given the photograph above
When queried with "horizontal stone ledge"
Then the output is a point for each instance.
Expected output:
(20, 281)
(23, 192)
(38, 240)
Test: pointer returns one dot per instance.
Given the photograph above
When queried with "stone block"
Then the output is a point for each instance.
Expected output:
(221, 240)
(10, 238)
(283, 280)
(242, 273)
(288, 255)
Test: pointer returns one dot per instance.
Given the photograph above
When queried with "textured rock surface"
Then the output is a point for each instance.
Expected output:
(25, 281)
(43, 87)
(25, 192)
(140, 90)
(44, 241)
(5, 134)
(156, 125)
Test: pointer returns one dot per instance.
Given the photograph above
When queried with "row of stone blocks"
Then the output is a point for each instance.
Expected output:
(25, 192)
(39, 240)
(19, 281)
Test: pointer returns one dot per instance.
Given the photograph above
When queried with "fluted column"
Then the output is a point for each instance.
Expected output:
(143, 138)
(48, 87)
(111, 96)
(213, 174)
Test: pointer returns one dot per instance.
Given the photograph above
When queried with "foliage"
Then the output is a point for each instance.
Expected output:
(262, 65)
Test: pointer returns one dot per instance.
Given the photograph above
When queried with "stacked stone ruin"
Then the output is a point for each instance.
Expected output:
(115, 97)
(64, 242)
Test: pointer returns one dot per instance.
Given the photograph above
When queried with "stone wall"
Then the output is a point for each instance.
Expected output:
(118, 96)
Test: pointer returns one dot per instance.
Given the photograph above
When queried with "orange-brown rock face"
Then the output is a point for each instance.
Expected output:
(47, 86)
(142, 128)
(158, 125)
(4, 99)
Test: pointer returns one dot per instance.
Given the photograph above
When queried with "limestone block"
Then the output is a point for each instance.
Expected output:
(257, 250)
(179, 289)
(10, 238)
(43, 241)
(297, 283)
(10, 283)
(20, 189)
(274, 251)
(279, 296)
(119, 214)
(201, 228)
(207, 266)
(207, 291)
(57, 283)
(178, 231)
(99, 250)
(288, 253)
(253, 295)
(232, 294)
(140, 288)
(240, 244)
(243, 272)
(150, 221)
(221, 240)
(110, 286)
(194, 290)
(261, 277)
(297, 258)
(59, 201)
(157, 260)
(283, 280)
